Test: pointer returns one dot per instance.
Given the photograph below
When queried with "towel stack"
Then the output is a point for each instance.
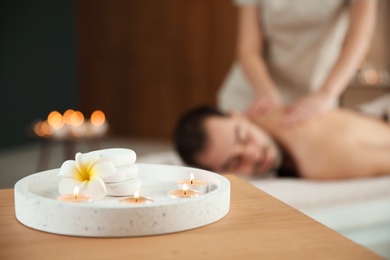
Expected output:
(124, 181)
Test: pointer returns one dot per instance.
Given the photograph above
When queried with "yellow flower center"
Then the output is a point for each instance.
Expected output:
(85, 173)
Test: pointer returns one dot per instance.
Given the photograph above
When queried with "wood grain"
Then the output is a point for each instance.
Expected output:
(145, 62)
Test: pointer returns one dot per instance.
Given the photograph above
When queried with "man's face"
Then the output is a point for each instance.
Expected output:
(236, 145)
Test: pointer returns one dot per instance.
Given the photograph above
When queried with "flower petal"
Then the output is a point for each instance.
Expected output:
(95, 187)
(67, 185)
(68, 168)
(85, 160)
(103, 168)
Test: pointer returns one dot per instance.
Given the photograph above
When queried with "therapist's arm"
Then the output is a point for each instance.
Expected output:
(362, 24)
(361, 28)
(250, 47)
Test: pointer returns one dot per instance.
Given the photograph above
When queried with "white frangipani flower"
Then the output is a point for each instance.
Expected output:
(87, 172)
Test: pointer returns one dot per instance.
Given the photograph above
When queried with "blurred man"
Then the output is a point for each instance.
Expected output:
(338, 145)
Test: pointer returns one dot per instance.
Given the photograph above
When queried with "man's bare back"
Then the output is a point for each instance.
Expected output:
(340, 144)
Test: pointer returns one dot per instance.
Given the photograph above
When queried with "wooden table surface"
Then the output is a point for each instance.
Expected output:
(258, 226)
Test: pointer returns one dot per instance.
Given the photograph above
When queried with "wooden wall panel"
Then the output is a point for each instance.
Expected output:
(145, 62)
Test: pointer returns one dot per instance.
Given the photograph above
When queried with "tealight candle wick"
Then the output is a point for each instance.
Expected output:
(76, 191)
(136, 196)
(75, 197)
(185, 188)
(193, 184)
(184, 193)
(136, 199)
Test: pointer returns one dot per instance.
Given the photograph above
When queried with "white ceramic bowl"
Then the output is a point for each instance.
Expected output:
(36, 205)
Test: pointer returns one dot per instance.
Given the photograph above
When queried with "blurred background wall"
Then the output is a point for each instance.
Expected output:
(38, 64)
(143, 62)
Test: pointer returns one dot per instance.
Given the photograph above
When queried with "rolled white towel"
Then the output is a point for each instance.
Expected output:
(124, 188)
(118, 156)
(123, 173)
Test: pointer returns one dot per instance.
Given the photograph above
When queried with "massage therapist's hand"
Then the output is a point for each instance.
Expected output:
(307, 108)
(263, 104)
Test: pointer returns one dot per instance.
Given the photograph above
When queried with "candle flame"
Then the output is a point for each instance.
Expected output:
(98, 118)
(136, 196)
(46, 128)
(55, 120)
(185, 188)
(76, 118)
(67, 116)
(76, 192)
(43, 129)
(192, 178)
(37, 129)
(371, 76)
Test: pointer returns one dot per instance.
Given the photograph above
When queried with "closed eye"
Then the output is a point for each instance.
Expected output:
(235, 160)
(242, 139)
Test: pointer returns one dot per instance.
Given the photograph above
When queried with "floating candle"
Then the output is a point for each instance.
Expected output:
(75, 197)
(194, 184)
(184, 193)
(136, 199)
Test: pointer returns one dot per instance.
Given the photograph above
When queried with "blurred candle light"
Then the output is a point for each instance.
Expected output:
(371, 76)
(67, 116)
(46, 129)
(98, 118)
(77, 127)
(72, 124)
(76, 118)
(37, 129)
(98, 125)
(42, 129)
(55, 120)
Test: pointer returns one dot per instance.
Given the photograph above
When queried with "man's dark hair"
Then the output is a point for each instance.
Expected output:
(190, 137)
